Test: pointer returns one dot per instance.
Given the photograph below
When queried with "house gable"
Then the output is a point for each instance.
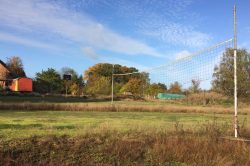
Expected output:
(4, 65)
(3, 70)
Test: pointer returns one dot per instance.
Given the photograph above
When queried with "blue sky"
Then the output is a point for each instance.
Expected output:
(143, 34)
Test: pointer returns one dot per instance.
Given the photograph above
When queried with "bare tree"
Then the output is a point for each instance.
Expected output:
(195, 87)
(15, 66)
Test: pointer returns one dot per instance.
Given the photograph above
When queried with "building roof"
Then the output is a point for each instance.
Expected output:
(4, 65)
(18, 78)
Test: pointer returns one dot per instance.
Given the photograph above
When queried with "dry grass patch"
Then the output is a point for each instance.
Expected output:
(132, 148)
(122, 107)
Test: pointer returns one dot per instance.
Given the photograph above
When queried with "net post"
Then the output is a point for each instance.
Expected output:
(235, 78)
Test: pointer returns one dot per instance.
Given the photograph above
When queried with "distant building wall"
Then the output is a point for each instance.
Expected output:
(3, 75)
(21, 85)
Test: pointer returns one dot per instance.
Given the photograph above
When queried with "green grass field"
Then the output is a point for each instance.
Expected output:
(20, 124)
(78, 131)
(126, 133)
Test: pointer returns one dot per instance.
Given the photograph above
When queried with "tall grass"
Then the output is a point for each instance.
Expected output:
(207, 98)
(179, 147)
(124, 107)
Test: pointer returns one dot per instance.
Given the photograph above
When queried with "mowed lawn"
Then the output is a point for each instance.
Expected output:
(20, 124)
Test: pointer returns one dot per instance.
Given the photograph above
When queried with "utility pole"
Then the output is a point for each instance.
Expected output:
(235, 77)
(112, 88)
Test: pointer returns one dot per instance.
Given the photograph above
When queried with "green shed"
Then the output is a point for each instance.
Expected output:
(170, 96)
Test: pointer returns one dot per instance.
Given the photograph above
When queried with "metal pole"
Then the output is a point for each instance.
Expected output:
(235, 78)
(112, 88)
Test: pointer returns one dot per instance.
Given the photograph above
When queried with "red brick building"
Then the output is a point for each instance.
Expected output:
(4, 72)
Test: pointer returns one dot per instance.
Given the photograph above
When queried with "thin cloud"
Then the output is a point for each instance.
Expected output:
(124, 63)
(175, 33)
(182, 54)
(6, 37)
(137, 10)
(90, 52)
(173, 27)
(51, 19)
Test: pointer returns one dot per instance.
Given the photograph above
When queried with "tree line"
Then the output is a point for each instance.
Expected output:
(97, 79)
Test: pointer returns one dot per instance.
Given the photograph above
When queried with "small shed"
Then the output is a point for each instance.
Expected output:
(170, 96)
(21, 84)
